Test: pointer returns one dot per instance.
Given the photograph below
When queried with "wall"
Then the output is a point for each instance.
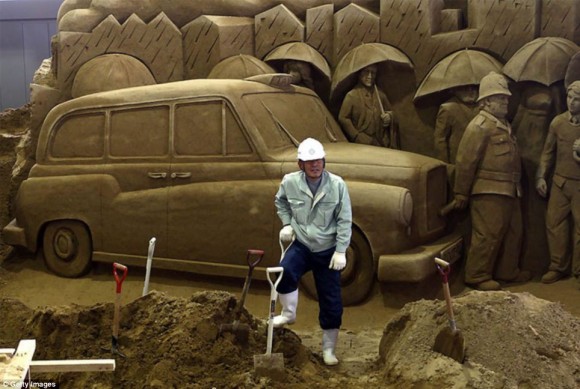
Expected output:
(26, 28)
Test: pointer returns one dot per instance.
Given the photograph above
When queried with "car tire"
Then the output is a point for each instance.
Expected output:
(357, 279)
(67, 248)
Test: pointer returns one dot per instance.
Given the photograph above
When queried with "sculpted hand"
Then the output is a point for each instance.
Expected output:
(541, 187)
(386, 118)
(338, 261)
(460, 202)
(287, 233)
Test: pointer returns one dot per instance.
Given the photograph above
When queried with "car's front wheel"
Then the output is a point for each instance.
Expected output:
(67, 248)
(357, 278)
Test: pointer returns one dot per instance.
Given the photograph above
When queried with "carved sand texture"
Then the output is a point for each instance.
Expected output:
(276, 27)
(319, 29)
(158, 44)
(354, 26)
(209, 39)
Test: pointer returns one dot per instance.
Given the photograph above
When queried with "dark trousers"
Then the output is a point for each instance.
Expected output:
(297, 261)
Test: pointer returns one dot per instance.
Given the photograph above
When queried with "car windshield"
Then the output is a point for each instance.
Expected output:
(285, 119)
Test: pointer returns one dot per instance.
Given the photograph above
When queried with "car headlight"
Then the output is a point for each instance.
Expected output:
(405, 208)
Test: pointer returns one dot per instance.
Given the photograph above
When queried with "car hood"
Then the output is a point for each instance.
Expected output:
(353, 154)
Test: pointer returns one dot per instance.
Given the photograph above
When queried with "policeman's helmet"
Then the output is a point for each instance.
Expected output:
(493, 84)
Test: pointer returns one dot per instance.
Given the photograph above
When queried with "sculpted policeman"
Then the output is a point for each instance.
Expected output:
(560, 155)
(488, 169)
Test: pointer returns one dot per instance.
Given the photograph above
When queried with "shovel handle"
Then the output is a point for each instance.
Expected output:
(257, 255)
(119, 280)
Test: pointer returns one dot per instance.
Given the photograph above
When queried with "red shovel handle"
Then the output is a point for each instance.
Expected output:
(118, 279)
(258, 254)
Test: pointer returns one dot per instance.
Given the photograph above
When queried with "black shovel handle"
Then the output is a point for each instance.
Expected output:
(257, 255)
(253, 257)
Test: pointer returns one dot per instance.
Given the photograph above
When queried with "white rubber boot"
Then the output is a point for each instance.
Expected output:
(329, 338)
(289, 303)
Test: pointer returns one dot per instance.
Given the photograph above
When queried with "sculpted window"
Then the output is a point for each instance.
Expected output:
(142, 132)
(208, 128)
(79, 136)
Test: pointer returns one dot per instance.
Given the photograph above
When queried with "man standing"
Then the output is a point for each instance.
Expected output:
(365, 114)
(314, 207)
(559, 153)
(452, 118)
(488, 169)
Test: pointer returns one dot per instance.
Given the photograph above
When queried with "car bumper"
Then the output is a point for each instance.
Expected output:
(417, 264)
(14, 235)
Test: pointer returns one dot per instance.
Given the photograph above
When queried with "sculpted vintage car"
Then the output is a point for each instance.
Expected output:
(196, 164)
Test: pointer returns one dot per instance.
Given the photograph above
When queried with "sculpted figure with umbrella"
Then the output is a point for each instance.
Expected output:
(458, 75)
(365, 113)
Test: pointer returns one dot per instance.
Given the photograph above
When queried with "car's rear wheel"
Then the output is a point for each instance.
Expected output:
(357, 278)
(67, 248)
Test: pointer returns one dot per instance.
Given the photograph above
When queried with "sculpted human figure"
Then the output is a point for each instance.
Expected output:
(488, 169)
(314, 207)
(365, 114)
(559, 154)
(452, 118)
(301, 73)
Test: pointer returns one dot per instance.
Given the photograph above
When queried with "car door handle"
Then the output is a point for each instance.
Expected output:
(181, 175)
(157, 175)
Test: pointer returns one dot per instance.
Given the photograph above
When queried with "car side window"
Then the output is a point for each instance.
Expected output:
(140, 132)
(208, 128)
(79, 136)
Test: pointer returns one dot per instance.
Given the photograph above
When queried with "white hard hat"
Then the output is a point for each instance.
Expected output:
(493, 84)
(310, 149)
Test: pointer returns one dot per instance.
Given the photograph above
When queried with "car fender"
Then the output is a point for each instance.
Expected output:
(383, 213)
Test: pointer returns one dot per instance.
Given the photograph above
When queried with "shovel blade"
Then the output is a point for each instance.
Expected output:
(270, 366)
(450, 343)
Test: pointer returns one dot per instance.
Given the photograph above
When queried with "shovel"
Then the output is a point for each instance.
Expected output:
(116, 317)
(242, 331)
(271, 365)
(449, 341)
(148, 268)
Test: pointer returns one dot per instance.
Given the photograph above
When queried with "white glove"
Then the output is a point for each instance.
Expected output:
(338, 261)
(287, 233)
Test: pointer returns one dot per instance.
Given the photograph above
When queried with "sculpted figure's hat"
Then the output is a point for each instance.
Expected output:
(574, 88)
(493, 84)
(310, 149)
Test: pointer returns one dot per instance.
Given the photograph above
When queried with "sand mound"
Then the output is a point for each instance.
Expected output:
(169, 343)
(512, 341)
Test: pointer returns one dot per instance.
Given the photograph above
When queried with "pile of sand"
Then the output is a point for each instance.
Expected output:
(513, 340)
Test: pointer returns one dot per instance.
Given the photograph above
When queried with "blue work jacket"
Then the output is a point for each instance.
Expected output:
(319, 222)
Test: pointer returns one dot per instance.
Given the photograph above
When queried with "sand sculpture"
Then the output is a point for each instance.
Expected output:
(406, 41)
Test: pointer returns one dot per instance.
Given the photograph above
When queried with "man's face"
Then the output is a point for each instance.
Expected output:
(497, 105)
(368, 75)
(467, 94)
(573, 101)
(313, 169)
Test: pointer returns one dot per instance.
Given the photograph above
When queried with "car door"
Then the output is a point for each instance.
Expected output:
(221, 203)
(135, 195)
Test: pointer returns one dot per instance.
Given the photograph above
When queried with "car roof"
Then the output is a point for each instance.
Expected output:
(165, 92)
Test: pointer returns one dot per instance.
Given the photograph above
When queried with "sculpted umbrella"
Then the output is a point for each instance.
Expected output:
(542, 60)
(109, 72)
(464, 67)
(360, 57)
(573, 70)
(300, 51)
(239, 67)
